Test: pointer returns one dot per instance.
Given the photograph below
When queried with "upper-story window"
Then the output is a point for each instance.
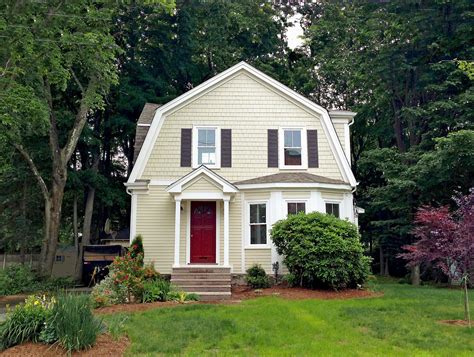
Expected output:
(293, 148)
(206, 146)
(296, 207)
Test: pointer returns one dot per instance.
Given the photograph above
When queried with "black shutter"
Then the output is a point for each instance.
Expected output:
(226, 147)
(186, 147)
(313, 160)
(272, 147)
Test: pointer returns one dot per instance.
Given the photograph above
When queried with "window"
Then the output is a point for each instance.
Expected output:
(296, 207)
(258, 223)
(292, 147)
(332, 208)
(60, 258)
(206, 146)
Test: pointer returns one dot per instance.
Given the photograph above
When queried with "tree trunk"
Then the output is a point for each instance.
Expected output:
(415, 275)
(381, 260)
(77, 248)
(23, 213)
(386, 273)
(89, 208)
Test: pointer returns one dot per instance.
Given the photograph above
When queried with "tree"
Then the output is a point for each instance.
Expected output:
(447, 240)
(62, 57)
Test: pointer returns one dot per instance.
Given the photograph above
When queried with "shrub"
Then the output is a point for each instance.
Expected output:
(16, 279)
(156, 290)
(321, 251)
(74, 324)
(108, 293)
(257, 277)
(26, 321)
(129, 272)
(136, 249)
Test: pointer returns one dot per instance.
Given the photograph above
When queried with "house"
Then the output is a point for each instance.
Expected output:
(217, 166)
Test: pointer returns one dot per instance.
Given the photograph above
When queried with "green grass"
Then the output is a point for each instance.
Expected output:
(401, 323)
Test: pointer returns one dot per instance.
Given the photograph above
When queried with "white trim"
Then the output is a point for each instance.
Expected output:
(242, 231)
(159, 117)
(296, 200)
(281, 149)
(140, 124)
(347, 142)
(202, 196)
(177, 186)
(217, 138)
(258, 186)
(226, 232)
(177, 231)
(248, 245)
(133, 216)
(188, 232)
(316, 202)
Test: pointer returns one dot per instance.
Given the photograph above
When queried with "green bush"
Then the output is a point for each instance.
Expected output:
(16, 279)
(108, 293)
(257, 277)
(136, 249)
(156, 290)
(74, 324)
(26, 321)
(321, 250)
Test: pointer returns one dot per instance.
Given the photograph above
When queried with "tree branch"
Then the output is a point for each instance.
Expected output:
(32, 166)
(77, 81)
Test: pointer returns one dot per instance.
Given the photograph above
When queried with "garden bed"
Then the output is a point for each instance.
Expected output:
(104, 346)
(295, 293)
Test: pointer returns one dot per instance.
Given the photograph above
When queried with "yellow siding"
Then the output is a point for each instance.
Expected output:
(235, 233)
(259, 256)
(201, 184)
(249, 108)
(340, 133)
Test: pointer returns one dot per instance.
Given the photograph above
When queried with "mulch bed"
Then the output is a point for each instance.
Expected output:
(244, 293)
(104, 346)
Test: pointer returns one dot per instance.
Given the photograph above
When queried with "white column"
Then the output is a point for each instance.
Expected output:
(226, 231)
(276, 212)
(177, 231)
(316, 202)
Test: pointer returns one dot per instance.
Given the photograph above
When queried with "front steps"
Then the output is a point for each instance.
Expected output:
(208, 283)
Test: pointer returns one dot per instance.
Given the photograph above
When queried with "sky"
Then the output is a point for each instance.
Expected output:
(294, 32)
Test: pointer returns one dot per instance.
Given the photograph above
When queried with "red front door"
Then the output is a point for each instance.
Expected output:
(203, 232)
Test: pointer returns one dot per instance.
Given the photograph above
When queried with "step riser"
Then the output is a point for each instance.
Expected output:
(202, 270)
(203, 282)
(210, 276)
(207, 289)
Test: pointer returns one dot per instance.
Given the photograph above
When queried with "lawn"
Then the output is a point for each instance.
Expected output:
(402, 323)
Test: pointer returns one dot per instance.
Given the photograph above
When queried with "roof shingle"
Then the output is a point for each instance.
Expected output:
(290, 177)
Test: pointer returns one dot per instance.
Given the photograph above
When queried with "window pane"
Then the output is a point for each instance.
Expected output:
(291, 208)
(206, 156)
(258, 234)
(288, 138)
(300, 207)
(206, 137)
(258, 213)
(292, 156)
(297, 138)
(332, 208)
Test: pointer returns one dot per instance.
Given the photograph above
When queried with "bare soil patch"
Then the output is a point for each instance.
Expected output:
(104, 346)
(463, 323)
(294, 293)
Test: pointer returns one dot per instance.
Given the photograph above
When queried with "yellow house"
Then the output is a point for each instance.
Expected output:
(217, 166)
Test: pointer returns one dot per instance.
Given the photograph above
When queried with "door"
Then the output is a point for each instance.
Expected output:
(203, 232)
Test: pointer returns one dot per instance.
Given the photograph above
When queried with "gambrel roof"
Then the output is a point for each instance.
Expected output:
(160, 115)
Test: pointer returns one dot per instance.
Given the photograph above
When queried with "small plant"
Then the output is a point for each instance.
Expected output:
(257, 277)
(16, 279)
(192, 297)
(26, 321)
(129, 272)
(108, 293)
(156, 290)
(74, 324)
(276, 269)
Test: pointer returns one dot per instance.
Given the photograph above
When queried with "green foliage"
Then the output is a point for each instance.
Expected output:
(26, 321)
(321, 250)
(75, 325)
(129, 272)
(17, 278)
(107, 292)
(257, 277)
(136, 249)
(156, 290)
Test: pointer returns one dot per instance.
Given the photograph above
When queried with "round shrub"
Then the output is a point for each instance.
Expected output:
(257, 277)
(321, 250)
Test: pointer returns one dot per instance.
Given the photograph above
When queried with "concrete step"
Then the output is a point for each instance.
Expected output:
(204, 289)
(210, 276)
(204, 282)
(213, 296)
(202, 270)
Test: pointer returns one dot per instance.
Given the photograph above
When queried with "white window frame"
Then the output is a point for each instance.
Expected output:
(296, 201)
(248, 244)
(281, 149)
(334, 202)
(217, 165)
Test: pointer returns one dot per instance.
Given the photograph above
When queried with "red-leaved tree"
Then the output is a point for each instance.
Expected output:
(446, 239)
